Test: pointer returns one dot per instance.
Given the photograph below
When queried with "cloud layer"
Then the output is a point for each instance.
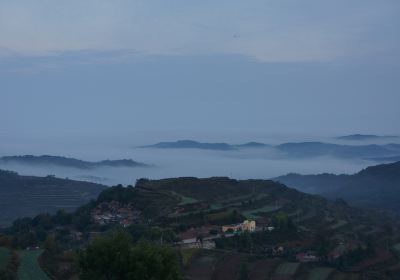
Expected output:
(272, 30)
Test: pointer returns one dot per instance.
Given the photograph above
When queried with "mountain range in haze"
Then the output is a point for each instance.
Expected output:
(375, 187)
(296, 150)
(191, 144)
(362, 137)
(69, 162)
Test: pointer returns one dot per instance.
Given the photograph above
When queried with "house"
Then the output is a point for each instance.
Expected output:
(245, 226)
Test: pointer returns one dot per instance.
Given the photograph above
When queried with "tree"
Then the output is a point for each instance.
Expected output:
(115, 257)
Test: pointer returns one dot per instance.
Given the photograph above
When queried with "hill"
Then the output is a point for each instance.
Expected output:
(68, 162)
(361, 137)
(189, 144)
(295, 149)
(315, 149)
(188, 214)
(376, 186)
(22, 196)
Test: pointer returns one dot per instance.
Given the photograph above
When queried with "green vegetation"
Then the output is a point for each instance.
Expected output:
(287, 269)
(116, 257)
(184, 199)
(320, 273)
(188, 254)
(5, 256)
(254, 213)
(29, 268)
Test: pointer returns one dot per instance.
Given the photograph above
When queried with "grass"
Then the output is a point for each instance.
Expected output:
(320, 273)
(252, 214)
(29, 268)
(5, 255)
(188, 254)
(185, 199)
(287, 269)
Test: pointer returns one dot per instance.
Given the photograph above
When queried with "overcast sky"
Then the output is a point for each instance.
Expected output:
(272, 66)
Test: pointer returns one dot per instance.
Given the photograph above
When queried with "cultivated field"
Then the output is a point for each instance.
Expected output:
(320, 273)
(29, 268)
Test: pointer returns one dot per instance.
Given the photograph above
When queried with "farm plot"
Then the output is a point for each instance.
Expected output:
(29, 268)
(202, 265)
(188, 254)
(228, 267)
(5, 255)
(320, 273)
(286, 270)
(254, 213)
(184, 199)
(263, 269)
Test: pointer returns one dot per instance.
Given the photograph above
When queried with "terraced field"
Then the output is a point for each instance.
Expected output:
(253, 213)
(29, 268)
(22, 196)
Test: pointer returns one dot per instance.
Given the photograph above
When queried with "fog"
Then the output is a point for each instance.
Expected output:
(262, 163)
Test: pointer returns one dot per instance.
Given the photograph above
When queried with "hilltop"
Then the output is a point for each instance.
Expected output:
(22, 196)
(47, 160)
(376, 186)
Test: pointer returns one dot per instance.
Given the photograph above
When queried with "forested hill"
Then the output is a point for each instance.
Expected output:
(22, 196)
(376, 186)
(48, 160)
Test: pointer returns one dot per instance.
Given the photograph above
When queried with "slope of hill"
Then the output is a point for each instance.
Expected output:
(290, 224)
(376, 186)
(22, 196)
(68, 162)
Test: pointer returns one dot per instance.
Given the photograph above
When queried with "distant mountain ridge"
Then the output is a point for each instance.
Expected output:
(376, 186)
(360, 137)
(295, 149)
(313, 149)
(69, 162)
(191, 144)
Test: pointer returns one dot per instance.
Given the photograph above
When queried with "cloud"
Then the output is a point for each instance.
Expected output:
(270, 30)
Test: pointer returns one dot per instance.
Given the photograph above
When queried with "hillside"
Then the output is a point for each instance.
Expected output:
(22, 196)
(179, 211)
(376, 186)
(47, 160)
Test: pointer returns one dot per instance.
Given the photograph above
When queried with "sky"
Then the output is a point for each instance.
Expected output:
(188, 68)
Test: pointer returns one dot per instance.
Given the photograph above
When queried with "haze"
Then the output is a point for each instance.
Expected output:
(93, 79)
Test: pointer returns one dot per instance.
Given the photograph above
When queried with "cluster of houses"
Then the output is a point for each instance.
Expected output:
(115, 213)
(245, 226)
